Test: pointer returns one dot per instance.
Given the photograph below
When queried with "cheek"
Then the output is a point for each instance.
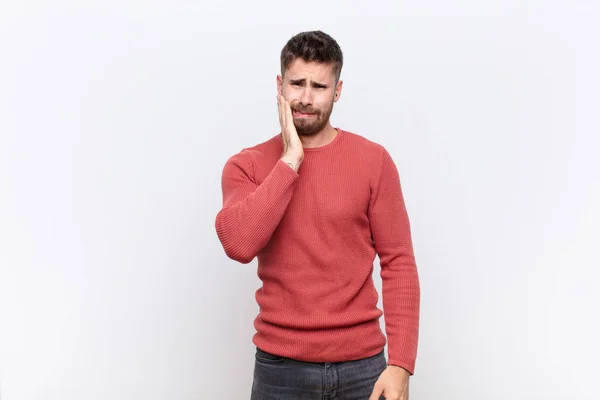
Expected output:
(291, 94)
(325, 104)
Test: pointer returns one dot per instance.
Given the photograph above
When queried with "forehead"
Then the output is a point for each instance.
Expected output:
(310, 70)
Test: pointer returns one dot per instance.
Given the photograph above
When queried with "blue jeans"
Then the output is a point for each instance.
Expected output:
(280, 378)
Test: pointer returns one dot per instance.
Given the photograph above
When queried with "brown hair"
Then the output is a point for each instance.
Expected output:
(313, 46)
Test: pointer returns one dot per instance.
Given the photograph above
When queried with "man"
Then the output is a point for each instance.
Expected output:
(316, 204)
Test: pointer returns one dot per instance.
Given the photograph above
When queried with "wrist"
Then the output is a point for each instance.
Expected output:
(292, 162)
(399, 368)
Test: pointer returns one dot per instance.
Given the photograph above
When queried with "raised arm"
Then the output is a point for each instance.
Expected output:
(251, 212)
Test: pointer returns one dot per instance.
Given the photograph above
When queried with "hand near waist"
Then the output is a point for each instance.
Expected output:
(392, 384)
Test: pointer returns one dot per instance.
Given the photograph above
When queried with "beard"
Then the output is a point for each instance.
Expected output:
(312, 126)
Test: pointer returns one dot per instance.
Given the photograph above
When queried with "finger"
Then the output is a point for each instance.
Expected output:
(377, 392)
(288, 113)
(284, 120)
(279, 112)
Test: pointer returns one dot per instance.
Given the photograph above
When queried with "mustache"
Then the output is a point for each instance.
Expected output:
(304, 110)
(296, 106)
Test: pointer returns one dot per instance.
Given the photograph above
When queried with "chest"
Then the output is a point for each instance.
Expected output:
(334, 194)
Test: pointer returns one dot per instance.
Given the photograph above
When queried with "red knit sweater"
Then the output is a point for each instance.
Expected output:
(316, 234)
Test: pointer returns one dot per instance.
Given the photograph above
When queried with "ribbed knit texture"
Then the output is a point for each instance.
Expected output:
(316, 234)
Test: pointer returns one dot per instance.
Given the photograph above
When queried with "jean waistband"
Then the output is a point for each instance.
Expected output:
(266, 354)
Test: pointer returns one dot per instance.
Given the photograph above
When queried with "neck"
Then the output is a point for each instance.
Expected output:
(319, 139)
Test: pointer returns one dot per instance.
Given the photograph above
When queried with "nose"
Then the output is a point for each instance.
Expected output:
(306, 96)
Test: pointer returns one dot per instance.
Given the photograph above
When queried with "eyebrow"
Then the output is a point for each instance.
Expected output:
(303, 80)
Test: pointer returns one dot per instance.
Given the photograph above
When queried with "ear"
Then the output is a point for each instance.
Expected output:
(338, 91)
(279, 84)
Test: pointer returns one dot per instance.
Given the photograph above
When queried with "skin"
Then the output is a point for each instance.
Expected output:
(306, 93)
(305, 96)
(392, 384)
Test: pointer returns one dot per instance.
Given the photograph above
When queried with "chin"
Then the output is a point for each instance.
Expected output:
(308, 130)
(303, 133)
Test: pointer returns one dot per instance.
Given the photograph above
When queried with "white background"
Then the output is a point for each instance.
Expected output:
(116, 119)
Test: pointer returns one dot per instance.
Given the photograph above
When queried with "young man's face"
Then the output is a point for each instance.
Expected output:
(311, 90)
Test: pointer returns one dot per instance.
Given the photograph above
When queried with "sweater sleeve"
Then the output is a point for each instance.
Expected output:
(251, 212)
(390, 229)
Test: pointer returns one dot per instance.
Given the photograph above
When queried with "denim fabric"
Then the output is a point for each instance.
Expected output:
(280, 378)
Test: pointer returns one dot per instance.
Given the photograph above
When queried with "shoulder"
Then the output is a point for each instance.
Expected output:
(248, 157)
(374, 151)
(371, 158)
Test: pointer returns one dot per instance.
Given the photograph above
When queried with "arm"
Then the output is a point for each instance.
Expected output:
(390, 228)
(251, 212)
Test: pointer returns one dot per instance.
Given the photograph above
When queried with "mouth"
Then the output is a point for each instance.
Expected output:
(299, 114)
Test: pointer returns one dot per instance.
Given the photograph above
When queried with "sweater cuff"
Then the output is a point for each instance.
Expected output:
(403, 365)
